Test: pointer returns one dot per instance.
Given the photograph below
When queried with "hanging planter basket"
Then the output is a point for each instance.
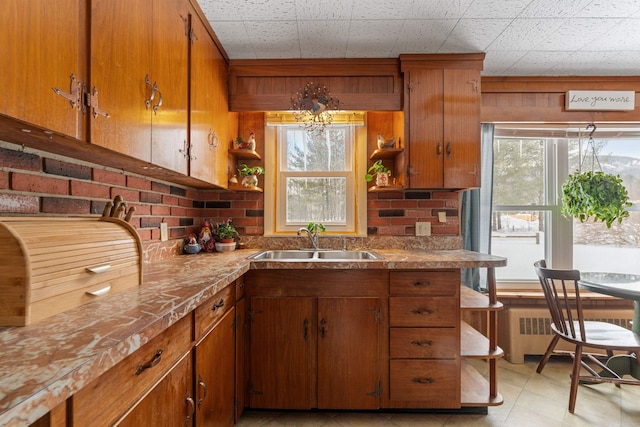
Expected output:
(595, 194)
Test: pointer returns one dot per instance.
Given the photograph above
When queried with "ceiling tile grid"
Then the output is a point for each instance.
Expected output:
(519, 37)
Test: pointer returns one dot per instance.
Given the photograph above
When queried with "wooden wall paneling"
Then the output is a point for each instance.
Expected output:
(360, 84)
(528, 99)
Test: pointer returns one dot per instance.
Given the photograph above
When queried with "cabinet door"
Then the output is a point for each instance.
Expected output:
(349, 332)
(169, 69)
(283, 343)
(121, 37)
(462, 128)
(209, 129)
(241, 377)
(39, 50)
(169, 403)
(215, 369)
(426, 134)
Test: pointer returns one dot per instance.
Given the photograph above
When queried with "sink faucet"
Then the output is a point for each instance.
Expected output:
(313, 235)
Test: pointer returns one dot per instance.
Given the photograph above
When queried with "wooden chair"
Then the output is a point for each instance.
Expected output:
(562, 293)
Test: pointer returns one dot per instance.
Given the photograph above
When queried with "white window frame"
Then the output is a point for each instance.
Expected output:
(274, 209)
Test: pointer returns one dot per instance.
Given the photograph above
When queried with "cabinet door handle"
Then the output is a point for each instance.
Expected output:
(449, 149)
(306, 329)
(422, 343)
(419, 283)
(156, 359)
(192, 405)
(422, 311)
(422, 380)
(154, 88)
(218, 305)
(439, 149)
(323, 327)
(204, 388)
(155, 107)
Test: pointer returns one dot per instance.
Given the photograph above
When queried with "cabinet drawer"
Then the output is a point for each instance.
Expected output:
(107, 397)
(423, 343)
(427, 311)
(210, 312)
(421, 380)
(419, 283)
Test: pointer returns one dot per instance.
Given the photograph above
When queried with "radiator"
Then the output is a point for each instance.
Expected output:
(524, 330)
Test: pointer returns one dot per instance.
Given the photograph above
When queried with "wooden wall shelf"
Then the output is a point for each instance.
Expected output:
(245, 154)
(385, 153)
(238, 187)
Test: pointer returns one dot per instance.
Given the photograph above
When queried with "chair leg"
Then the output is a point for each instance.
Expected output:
(575, 374)
(548, 353)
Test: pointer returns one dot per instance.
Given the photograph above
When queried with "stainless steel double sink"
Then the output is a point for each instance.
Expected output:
(290, 255)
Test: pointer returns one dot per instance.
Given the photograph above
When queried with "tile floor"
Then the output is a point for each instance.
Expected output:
(530, 399)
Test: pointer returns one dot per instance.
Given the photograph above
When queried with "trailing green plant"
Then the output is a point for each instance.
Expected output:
(243, 169)
(595, 194)
(376, 168)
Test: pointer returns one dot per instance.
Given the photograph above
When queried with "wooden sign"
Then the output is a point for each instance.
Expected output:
(600, 100)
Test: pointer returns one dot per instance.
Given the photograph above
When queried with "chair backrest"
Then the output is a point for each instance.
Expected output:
(562, 292)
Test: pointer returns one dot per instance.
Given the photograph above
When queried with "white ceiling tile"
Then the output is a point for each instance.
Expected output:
(525, 34)
(553, 8)
(495, 9)
(473, 35)
(519, 37)
(323, 39)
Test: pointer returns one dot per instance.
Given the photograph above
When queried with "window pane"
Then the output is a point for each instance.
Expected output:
(518, 172)
(316, 199)
(596, 247)
(519, 237)
(307, 151)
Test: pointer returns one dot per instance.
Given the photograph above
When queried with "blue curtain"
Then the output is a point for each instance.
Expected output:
(476, 212)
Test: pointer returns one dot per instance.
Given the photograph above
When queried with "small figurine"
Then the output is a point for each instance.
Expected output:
(386, 143)
(251, 144)
(192, 246)
(206, 237)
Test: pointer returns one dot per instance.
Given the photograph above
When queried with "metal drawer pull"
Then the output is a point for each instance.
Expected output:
(423, 380)
(422, 311)
(422, 343)
(156, 359)
(100, 292)
(99, 269)
(419, 283)
(204, 388)
(218, 305)
(192, 405)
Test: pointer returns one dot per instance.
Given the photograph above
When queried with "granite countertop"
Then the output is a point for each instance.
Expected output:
(43, 364)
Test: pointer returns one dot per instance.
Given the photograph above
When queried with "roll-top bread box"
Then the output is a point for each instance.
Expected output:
(51, 265)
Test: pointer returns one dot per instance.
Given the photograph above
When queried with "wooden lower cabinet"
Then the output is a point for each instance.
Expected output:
(151, 373)
(214, 355)
(313, 342)
(424, 337)
(215, 374)
(169, 403)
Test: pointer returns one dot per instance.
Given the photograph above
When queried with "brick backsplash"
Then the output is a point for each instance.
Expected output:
(37, 183)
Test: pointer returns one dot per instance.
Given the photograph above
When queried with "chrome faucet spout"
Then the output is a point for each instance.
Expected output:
(313, 236)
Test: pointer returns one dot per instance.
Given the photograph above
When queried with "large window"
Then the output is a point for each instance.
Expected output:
(314, 179)
(530, 165)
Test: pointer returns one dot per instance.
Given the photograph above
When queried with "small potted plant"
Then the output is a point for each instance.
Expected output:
(381, 172)
(250, 175)
(226, 232)
(597, 194)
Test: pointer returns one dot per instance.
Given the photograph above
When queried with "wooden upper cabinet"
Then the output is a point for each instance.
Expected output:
(210, 130)
(442, 114)
(40, 46)
(170, 69)
(139, 69)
